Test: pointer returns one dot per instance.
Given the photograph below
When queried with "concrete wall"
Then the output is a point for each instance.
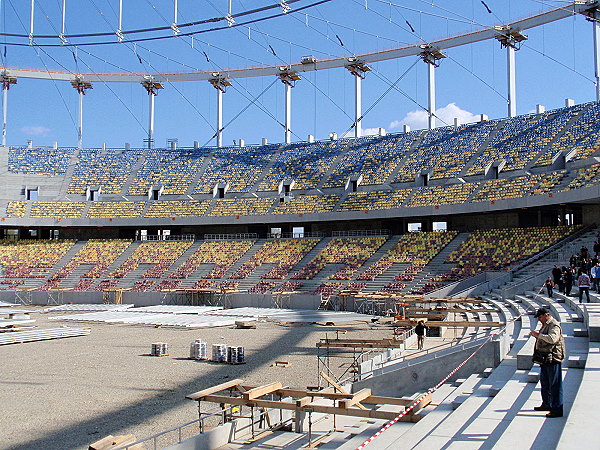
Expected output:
(421, 376)
(298, 301)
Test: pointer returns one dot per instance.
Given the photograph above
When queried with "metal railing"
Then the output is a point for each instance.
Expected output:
(360, 233)
(234, 236)
(178, 431)
(305, 234)
(168, 237)
(438, 351)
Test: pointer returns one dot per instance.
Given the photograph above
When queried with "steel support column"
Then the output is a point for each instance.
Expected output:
(219, 118)
(80, 86)
(288, 113)
(431, 95)
(432, 57)
(220, 84)
(512, 81)
(152, 88)
(358, 69)
(357, 106)
(511, 39)
(596, 25)
(289, 80)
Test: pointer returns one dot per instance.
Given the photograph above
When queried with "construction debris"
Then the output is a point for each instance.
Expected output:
(111, 441)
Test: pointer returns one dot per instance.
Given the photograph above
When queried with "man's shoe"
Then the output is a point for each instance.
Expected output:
(541, 408)
(558, 412)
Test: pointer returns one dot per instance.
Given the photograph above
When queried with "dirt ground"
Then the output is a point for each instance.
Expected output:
(67, 393)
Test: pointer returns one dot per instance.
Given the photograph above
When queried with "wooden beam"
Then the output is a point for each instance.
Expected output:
(367, 413)
(262, 390)
(338, 387)
(357, 398)
(219, 387)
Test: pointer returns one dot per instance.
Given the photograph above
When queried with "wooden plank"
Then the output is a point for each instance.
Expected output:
(357, 398)
(262, 390)
(338, 387)
(353, 412)
(398, 344)
(325, 393)
(303, 401)
(211, 390)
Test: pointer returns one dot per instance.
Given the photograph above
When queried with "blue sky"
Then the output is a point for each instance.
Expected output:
(555, 63)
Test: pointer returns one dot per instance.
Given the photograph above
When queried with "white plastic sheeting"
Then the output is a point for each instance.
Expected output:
(214, 318)
(85, 307)
(40, 335)
(176, 309)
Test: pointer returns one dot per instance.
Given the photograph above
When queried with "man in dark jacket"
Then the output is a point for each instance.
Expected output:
(550, 342)
(557, 278)
(420, 331)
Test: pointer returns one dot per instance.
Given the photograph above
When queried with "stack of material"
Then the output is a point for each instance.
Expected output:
(160, 349)
(199, 350)
(5, 304)
(219, 353)
(16, 337)
(176, 309)
(235, 355)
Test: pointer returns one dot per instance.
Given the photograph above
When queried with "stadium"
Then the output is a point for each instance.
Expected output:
(214, 295)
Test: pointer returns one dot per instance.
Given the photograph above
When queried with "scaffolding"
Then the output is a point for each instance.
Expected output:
(272, 406)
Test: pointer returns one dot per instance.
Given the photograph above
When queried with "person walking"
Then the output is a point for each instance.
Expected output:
(421, 332)
(568, 280)
(595, 275)
(557, 277)
(549, 285)
(583, 282)
(549, 352)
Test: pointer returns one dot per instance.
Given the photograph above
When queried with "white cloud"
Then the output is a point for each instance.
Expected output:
(419, 119)
(35, 130)
(370, 131)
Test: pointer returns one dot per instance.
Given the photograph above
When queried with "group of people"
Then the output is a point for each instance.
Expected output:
(584, 270)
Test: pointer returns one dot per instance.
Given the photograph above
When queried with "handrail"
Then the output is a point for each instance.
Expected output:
(234, 236)
(177, 428)
(168, 237)
(460, 344)
(304, 234)
(359, 233)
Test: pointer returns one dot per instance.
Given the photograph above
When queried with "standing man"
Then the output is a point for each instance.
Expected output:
(583, 282)
(557, 278)
(550, 344)
(420, 331)
(595, 274)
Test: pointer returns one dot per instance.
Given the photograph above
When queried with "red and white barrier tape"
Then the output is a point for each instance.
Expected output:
(433, 389)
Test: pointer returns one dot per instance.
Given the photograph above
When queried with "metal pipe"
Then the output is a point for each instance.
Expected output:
(31, 22)
(596, 25)
(4, 112)
(431, 92)
(288, 113)
(357, 106)
(151, 120)
(219, 118)
(511, 77)
(80, 129)
(62, 28)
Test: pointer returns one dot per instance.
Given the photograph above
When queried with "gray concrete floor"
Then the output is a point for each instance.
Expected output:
(67, 393)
